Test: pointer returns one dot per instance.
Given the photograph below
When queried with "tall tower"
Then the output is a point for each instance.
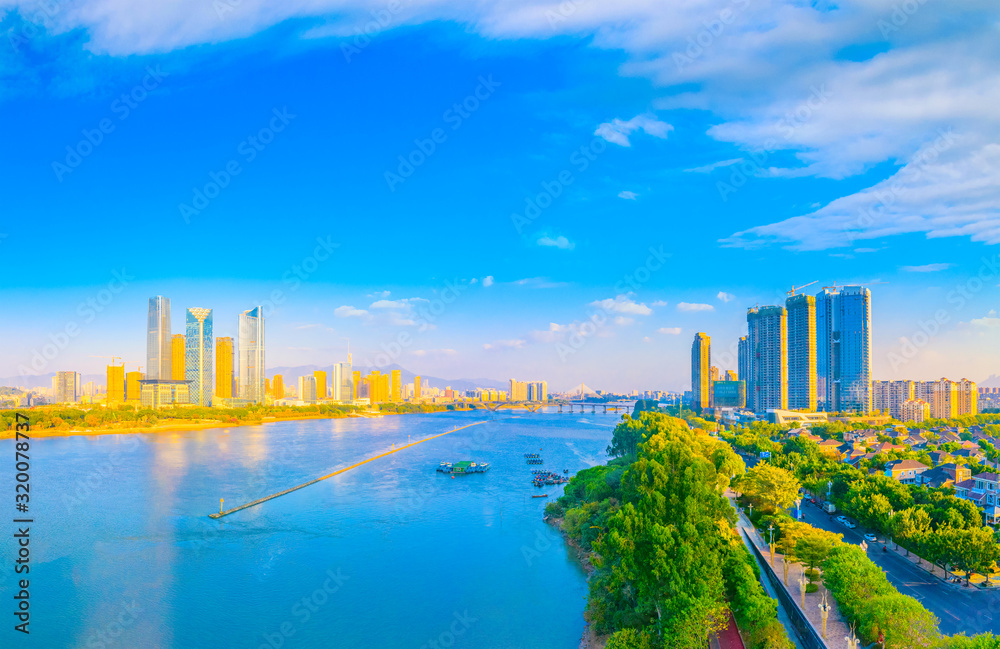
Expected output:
(251, 352)
(844, 349)
(116, 384)
(396, 389)
(199, 356)
(178, 361)
(701, 360)
(802, 352)
(224, 367)
(158, 339)
(416, 388)
(320, 377)
(768, 340)
(743, 364)
(278, 386)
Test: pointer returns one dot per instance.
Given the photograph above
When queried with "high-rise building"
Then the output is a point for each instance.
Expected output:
(356, 384)
(343, 382)
(267, 386)
(914, 410)
(198, 356)
(307, 389)
(743, 367)
(731, 375)
(968, 397)
(320, 377)
(116, 384)
(889, 396)
(67, 387)
(802, 352)
(133, 388)
(224, 367)
(729, 394)
(396, 389)
(178, 359)
(844, 349)
(416, 388)
(251, 355)
(278, 386)
(701, 360)
(158, 352)
(768, 340)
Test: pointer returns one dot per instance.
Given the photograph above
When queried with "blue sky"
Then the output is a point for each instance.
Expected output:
(692, 161)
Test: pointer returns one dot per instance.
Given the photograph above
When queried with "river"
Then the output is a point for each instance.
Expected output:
(390, 554)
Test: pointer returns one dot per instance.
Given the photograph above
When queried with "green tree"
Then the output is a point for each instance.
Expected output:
(770, 488)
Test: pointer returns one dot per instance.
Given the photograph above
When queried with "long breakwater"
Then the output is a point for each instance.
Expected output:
(227, 512)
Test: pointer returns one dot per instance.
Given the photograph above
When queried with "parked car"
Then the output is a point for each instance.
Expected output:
(841, 519)
(849, 524)
(871, 537)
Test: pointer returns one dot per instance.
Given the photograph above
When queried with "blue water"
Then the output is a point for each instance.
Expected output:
(390, 554)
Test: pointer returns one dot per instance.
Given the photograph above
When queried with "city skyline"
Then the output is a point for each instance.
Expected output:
(786, 190)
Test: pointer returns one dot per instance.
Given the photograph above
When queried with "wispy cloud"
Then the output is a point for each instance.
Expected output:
(424, 353)
(627, 195)
(488, 281)
(926, 268)
(617, 131)
(658, 303)
(538, 282)
(515, 343)
(670, 331)
(726, 297)
(694, 306)
(560, 242)
(712, 167)
(349, 312)
(622, 304)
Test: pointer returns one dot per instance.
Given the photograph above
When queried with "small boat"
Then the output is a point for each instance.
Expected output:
(540, 496)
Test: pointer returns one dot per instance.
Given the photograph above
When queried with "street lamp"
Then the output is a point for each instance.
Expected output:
(798, 508)
(829, 489)
(803, 582)
(770, 528)
(852, 640)
(824, 609)
(892, 513)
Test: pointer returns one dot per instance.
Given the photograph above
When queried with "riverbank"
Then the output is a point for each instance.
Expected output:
(590, 638)
(183, 425)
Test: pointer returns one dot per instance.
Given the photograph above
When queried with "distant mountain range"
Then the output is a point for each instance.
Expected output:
(291, 377)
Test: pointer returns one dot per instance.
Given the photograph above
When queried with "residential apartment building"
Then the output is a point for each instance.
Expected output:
(889, 396)
(801, 352)
(701, 361)
(768, 347)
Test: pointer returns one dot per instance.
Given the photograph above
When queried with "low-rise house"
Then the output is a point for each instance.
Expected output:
(905, 471)
(969, 444)
(984, 491)
(849, 452)
(939, 457)
(861, 436)
(886, 447)
(915, 442)
(856, 461)
(944, 475)
(947, 438)
(830, 446)
(976, 455)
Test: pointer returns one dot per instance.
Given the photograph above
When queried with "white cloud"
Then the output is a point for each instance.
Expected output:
(659, 303)
(539, 282)
(488, 281)
(627, 195)
(726, 297)
(617, 131)
(349, 312)
(380, 295)
(926, 268)
(423, 353)
(647, 339)
(712, 167)
(560, 242)
(622, 304)
(516, 343)
(670, 331)
(689, 306)
(623, 321)
(390, 304)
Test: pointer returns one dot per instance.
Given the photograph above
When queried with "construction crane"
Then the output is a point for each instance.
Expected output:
(834, 287)
(798, 288)
(113, 358)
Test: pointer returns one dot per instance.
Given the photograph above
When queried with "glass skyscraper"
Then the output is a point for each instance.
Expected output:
(198, 356)
(844, 349)
(158, 357)
(768, 346)
(801, 352)
(251, 351)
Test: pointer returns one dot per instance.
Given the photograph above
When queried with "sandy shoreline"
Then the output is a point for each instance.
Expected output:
(175, 426)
